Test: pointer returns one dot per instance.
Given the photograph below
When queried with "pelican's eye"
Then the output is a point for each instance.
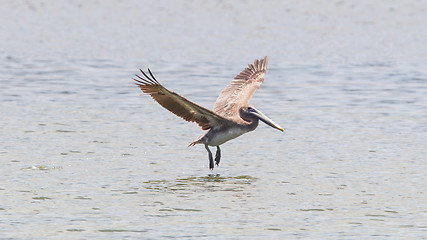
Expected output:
(249, 109)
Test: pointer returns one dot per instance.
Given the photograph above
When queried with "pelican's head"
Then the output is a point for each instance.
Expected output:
(253, 112)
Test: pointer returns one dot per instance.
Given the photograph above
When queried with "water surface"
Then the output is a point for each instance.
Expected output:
(85, 157)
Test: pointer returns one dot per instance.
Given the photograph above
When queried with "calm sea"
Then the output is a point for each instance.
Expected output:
(84, 156)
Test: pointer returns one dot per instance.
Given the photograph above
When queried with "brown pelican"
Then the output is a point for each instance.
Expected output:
(232, 115)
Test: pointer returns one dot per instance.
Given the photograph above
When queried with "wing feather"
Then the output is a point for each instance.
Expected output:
(240, 91)
(177, 104)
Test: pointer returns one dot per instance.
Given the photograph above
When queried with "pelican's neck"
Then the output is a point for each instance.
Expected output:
(251, 124)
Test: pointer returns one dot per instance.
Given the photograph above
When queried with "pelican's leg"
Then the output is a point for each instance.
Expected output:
(217, 155)
(211, 162)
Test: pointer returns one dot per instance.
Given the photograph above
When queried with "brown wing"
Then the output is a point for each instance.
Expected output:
(238, 93)
(179, 105)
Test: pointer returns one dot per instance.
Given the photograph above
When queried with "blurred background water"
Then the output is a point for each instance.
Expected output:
(85, 157)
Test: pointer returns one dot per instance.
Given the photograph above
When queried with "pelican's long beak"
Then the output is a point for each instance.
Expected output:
(266, 119)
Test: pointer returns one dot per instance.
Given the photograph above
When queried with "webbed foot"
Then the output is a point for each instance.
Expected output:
(217, 155)
(211, 162)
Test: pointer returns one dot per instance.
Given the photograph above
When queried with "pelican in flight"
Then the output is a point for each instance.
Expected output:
(232, 115)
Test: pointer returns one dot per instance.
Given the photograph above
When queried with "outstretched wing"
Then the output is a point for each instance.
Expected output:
(179, 105)
(238, 93)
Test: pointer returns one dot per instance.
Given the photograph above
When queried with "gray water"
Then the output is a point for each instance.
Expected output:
(84, 156)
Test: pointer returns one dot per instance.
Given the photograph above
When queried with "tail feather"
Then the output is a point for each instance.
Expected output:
(198, 141)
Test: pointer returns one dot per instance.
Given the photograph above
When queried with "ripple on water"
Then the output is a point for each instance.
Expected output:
(205, 183)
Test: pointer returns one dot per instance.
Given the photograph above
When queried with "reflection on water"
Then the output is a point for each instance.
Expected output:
(207, 183)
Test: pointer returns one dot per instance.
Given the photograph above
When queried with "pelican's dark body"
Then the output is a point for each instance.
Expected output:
(218, 136)
(232, 115)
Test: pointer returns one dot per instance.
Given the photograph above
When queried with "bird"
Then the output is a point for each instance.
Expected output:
(232, 115)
